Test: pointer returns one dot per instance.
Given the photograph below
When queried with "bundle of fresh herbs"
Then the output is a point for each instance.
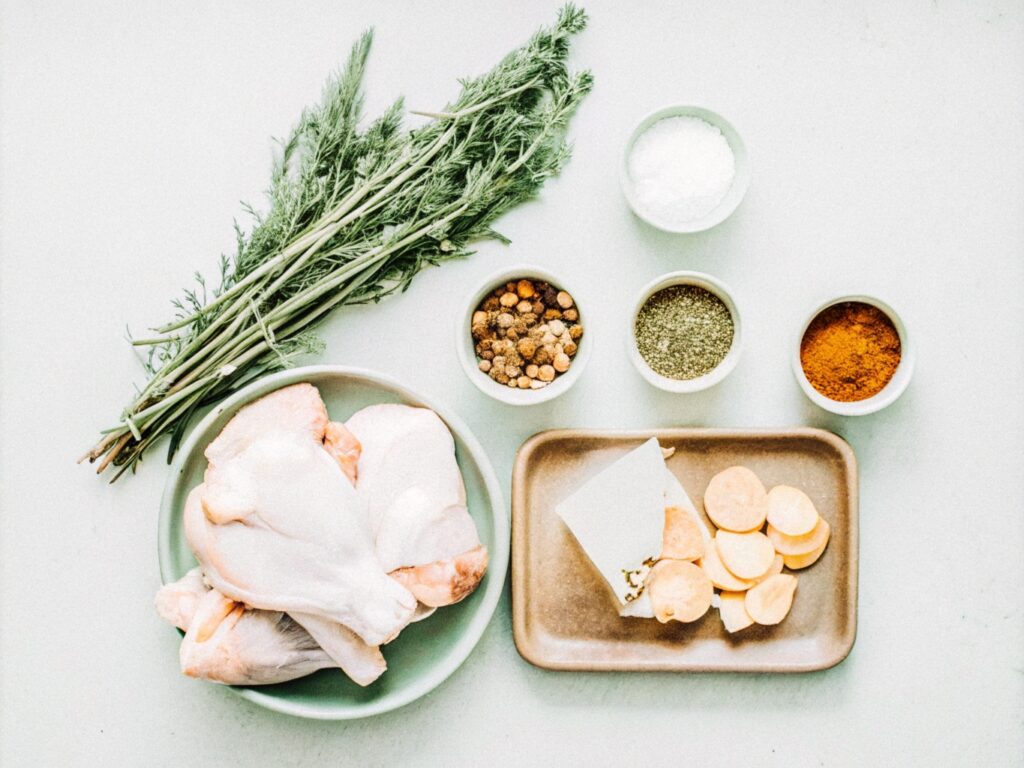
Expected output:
(353, 216)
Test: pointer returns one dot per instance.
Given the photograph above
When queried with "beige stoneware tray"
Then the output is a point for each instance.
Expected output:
(564, 614)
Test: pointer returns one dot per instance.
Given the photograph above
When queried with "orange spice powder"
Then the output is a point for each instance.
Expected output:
(850, 351)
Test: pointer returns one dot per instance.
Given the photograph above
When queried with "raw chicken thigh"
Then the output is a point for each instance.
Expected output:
(411, 485)
(280, 526)
(362, 662)
(228, 643)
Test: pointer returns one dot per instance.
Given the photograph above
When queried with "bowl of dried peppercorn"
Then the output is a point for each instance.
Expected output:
(521, 338)
(853, 356)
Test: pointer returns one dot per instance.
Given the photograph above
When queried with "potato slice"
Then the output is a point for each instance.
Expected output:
(735, 500)
(796, 562)
(732, 609)
(679, 591)
(769, 602)
(799, 545)
(791, 511)
(747, 555)
(776, 567)
(682, 539)
(720, 575)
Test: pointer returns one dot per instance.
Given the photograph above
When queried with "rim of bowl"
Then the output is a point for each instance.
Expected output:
(724, 368)
(467, 351)
(497, 566)
(889, 393)
(740, 182)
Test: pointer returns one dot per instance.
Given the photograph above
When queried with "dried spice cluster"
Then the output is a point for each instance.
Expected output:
(526, 333)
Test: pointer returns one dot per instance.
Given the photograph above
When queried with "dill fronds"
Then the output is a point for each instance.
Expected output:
(353, 217)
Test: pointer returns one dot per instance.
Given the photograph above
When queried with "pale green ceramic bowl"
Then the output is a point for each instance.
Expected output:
(426, 652)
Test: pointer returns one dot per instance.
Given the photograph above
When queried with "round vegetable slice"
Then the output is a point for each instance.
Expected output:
(747, 555)
(720, 575)
(735, 500)
(776, 567)
(679, 591)
(733, 611)
(769, 602)
(796, 562)
(682, 539)
(799, 545)
(791, 511)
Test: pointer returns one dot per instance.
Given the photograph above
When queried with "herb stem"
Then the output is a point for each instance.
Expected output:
(355, 213)
(482, 105)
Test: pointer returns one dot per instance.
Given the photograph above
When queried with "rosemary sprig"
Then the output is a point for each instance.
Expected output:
(353, 217)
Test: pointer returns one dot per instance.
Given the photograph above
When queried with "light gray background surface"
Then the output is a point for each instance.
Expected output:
(887, 142)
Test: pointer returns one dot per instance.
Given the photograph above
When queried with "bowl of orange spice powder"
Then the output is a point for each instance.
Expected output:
(854, 356)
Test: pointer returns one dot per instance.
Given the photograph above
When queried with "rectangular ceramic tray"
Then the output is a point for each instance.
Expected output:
(564, 614)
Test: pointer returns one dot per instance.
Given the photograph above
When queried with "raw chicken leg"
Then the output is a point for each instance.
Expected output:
(176, 602)
(402, 448)
(412, 487)
(344, 447)
(278, 525)
(227, 643)
(444, 582)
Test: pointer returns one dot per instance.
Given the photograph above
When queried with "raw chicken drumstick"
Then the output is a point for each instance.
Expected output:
(227, 643)
(411, 485)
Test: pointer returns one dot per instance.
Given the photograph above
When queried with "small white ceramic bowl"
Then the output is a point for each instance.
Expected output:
(466, 347)
(889, 393)
(732, 198)
(710, 284)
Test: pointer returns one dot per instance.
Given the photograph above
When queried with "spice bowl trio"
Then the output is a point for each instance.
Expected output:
(522, 340)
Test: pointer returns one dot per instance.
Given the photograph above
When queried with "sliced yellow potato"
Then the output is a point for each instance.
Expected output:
(747, 555)
(799, 545)
(682, 539)
(776, 567)
(733, 611)
(720, 576)
(679, 591)
(769, 602)
(735, 500)
(791, 511)
(796, 562)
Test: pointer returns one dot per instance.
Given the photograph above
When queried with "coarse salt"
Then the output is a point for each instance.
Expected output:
(681, 169)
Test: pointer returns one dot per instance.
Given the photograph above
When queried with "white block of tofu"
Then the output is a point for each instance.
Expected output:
(640, 608)
(676, 496)
(618, 517)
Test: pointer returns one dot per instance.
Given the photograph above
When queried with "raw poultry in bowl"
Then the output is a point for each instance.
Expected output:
(318, 542)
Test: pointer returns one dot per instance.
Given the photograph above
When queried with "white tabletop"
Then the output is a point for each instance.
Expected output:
(887, 146)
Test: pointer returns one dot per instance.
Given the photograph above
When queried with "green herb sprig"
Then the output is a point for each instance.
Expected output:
(353, 217)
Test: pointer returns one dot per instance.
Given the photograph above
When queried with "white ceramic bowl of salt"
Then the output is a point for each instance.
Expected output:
(685, 169)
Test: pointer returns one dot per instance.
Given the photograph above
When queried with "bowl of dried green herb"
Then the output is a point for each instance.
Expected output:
(685, 332)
